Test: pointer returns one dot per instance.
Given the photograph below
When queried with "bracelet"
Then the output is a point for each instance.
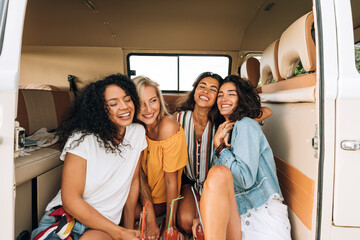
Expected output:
(219, 149)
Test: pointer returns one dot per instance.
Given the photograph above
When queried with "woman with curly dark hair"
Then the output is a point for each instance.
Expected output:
(101, 150)
(242, 197)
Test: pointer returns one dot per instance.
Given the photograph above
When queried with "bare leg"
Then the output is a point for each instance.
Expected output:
(186, 209)
(138, 210)
(95, 234)
(218, 206)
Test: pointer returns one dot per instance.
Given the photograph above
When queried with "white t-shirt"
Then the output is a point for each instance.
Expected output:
(108, 175)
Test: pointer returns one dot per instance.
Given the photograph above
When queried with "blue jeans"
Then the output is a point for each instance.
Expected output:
(46, 221)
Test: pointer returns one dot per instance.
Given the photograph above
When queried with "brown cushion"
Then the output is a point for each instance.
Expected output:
(41, 108)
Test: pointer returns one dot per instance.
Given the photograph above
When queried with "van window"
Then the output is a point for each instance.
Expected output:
(355, 5)
(175, 72)
(357, 56)
(3, 11)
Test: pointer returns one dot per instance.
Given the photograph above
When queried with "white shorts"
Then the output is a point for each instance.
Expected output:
(268, 222)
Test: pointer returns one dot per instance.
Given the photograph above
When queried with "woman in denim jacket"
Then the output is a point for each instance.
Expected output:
(245, 179)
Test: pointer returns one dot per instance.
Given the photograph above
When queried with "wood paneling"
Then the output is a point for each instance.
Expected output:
(297, 189)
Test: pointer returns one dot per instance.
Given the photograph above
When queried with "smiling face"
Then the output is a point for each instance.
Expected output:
(227, 100)
(150, 106)
(120, 105)
(206, 92)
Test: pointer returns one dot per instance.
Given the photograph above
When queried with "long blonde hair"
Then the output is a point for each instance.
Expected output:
(141, 82)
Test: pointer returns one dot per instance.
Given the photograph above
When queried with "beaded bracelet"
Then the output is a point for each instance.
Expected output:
(219, 149)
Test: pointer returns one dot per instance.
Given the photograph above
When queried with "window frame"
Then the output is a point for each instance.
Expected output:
(356, 43)
(178, 55)
(3, 15)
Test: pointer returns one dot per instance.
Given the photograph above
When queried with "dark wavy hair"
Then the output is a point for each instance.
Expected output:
(188, 102)
(248, 105)
(89, 114)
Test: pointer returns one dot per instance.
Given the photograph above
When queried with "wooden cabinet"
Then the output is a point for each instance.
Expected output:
(32, 197)
(48, 184)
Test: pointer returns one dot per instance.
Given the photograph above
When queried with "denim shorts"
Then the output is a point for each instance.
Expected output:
(46, 221)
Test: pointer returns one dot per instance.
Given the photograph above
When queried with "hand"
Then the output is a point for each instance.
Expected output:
(180, 236)
(227, 140)
(152, 230)
(222, 134)
(126, 234)
(196, 222)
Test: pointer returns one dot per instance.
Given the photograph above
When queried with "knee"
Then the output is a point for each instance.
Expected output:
(185, 222)
(218, 177)
(186, 209)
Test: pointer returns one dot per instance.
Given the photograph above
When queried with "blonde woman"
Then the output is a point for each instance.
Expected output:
(165, 156)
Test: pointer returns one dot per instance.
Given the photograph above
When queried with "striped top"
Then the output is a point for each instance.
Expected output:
(200, 151)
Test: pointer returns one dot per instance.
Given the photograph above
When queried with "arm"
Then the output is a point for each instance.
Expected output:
(171, 183)
(243, 159)
(175, 157)
(266, 112)
(129, 208)
(72, 189)
(145, 195)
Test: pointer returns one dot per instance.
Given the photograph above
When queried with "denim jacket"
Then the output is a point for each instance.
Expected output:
(251, 162)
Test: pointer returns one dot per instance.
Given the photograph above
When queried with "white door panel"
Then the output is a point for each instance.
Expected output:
(9, 72)
(347, 163)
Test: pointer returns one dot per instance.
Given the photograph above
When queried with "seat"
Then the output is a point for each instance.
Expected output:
(269, 69)
(295, 44)
(250, 71)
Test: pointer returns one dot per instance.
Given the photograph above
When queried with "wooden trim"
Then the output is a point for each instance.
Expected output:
(311, 49)
(300, 81)
(276, 61)
(253, 71)
(297, 189)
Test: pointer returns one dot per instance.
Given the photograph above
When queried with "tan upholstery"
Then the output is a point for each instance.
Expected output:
(39, 108)
(250, 70)
(269, 64)
(37, 163)
(306, 94)
(171, 99)
(38, 86)
(297, 44)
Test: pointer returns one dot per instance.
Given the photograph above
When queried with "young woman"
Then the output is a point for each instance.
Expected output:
(248, 167)
(166, 154)
(196, 115)
(102, 148)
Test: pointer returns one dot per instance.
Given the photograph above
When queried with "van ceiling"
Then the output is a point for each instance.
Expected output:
(227, 25)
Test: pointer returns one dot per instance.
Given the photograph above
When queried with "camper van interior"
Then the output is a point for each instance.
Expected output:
(272, 43)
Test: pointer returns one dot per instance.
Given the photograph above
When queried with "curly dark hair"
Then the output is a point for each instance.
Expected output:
(188, 102)
(249, 104)
(89, 114)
